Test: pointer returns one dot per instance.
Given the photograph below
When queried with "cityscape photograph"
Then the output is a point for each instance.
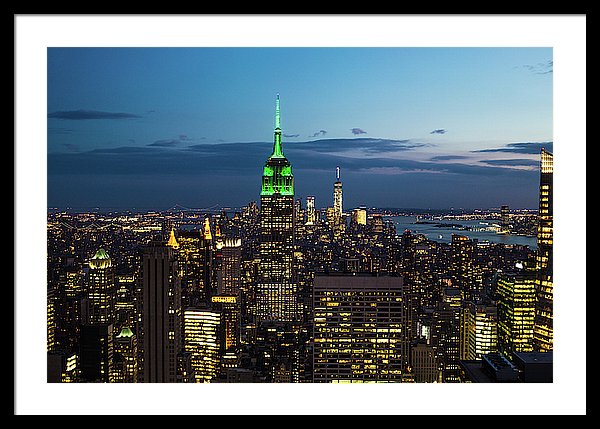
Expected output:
(239, 216)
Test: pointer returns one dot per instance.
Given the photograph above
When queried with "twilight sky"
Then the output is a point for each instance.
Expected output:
(148, 128)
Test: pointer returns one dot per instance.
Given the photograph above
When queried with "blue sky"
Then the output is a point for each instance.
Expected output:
(148, 128)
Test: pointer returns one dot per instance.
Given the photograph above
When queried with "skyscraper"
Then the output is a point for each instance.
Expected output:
(543, 330)
(201, 340)
(504, 219)
(423, 362)
(358, 329)
(207, 282)
(276, 294)
(96, 351)
(96, 335)
(359, 216)
(101, 291)
(161, 314)
(228, 301)
(231, 265)
(480, 330)
(516, 312)
(125, 367)
(445, 335)
(464, 271)
(338, 223)
(311, 215)
(337, 194)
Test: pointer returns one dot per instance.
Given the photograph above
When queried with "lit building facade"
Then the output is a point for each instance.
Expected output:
(161, 314)
(194, 249)
(359, 216)
(504, 219)
(358, 329)
(276, 292)
(311, 214)
(100, 291)
(516, 312)
(62, 367)
(337, 194)
(230, 276)
(125, 314)
(423, 362)
(543, 330)
(228, 307)
(51, 322)
(376, 223)
(201, 339)
(445, 335)
(464, 272)
(480, 327)
(280, 352)
(125, 367)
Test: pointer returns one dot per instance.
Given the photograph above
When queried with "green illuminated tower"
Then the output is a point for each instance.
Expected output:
(276, 297)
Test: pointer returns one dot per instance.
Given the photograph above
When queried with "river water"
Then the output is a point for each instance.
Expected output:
(444, 234)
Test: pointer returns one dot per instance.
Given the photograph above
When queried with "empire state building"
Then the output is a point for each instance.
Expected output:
(276, 294)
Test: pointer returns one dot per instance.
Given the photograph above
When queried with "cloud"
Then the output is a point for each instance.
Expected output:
(360, 155)
(357, 131)
(355, 147)
(540, 68)
(71, 147)
(447, 157)
(319, 133)
(532, 148)
(291, 135)
(184, 137)
(90, 114)
(230, 171)
(438, 131)
(59, 130)
(512, 162)
(165, 143)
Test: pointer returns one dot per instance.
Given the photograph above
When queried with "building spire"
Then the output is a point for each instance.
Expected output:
(277, 112)
(277, 150)
(206, 229)
(172, 240)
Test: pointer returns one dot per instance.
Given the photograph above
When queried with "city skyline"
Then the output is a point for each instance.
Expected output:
(243, 396)
(431, 122)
